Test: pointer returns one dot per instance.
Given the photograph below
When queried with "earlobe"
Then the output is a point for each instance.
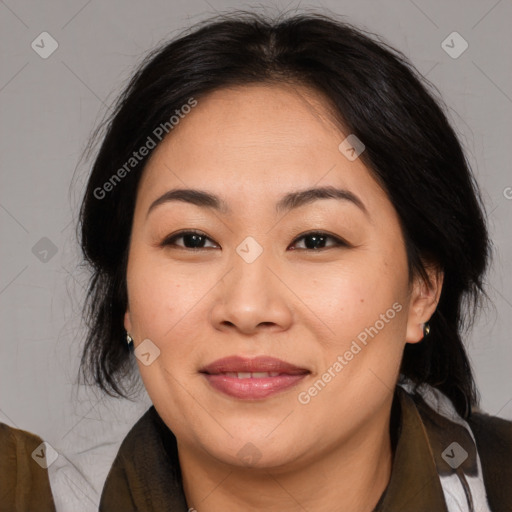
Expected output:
(423, 304)
(414, 332)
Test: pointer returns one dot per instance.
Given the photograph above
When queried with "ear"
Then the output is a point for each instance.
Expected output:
(423, 302)
(127, 321)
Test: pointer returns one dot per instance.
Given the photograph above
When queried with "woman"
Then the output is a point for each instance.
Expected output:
(284, 229)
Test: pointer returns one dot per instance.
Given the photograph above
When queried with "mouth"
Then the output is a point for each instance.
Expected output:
(252, 379)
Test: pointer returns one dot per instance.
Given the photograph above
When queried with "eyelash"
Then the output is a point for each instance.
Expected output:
(338, 241)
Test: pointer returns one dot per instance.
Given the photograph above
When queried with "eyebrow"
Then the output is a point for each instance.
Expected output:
(288, 202)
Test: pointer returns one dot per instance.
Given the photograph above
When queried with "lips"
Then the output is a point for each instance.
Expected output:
(252, 379)
(238, 364)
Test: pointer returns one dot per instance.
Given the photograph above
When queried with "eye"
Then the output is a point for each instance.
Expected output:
(315, 240)
(191, 240)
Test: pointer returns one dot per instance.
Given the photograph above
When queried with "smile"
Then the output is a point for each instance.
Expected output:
(252, 379)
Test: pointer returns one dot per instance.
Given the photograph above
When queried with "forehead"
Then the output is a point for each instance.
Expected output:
(256, 142)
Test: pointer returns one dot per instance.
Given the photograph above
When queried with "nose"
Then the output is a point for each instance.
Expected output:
(252, 298)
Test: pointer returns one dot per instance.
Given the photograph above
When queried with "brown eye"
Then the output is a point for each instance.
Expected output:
(191, 240)
(316, 240)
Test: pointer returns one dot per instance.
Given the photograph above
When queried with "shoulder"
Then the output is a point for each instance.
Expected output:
(492, 434)
(24, 484)
(493, 438)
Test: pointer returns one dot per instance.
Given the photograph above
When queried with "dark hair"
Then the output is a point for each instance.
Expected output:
(376, 94)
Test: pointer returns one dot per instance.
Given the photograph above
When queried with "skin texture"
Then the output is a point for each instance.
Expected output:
(251, 145)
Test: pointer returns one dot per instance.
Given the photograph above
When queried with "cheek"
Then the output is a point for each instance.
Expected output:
(365, 310)
(353, 298)
(161, 302)
(366, 315)
(159, 295)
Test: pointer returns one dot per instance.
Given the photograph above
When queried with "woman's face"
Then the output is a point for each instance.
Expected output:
(337, 306)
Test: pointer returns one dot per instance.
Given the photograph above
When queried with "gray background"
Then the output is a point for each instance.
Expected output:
(48, 109)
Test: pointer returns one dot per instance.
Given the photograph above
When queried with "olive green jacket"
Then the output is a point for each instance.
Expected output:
(146, 477)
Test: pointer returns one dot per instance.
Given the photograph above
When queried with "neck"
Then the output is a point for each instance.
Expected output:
(350, 476)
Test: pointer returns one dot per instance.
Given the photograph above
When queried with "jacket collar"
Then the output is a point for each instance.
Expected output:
(414, 483)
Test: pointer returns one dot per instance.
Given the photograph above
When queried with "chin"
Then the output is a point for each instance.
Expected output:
(256, 451)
